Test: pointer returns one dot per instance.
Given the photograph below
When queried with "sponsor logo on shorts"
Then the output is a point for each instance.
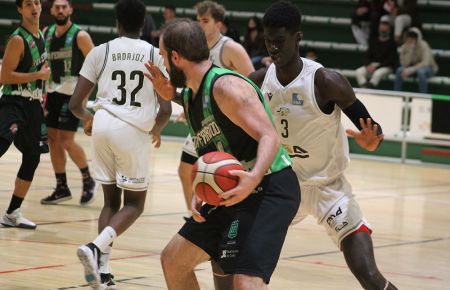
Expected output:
(132, 180)
(226, 254)
(232, 233)
(331, 221)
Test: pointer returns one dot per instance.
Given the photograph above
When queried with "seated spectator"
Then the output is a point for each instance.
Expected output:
(169, 14)
(403, 14)
(230, 31)
(254, 42)
(311, 54)
(416, 59)
(365, 20)
(381, 58)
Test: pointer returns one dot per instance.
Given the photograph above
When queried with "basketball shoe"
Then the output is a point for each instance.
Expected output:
(16, 219)
(107, 281)
(88, 194)
(89, 256)
(60, 194)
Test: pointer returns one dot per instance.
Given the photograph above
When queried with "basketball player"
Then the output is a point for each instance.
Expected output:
(245, 234)
(224, 52)
(23, 73)
(126, 111)
(306, 101)
(67, 45)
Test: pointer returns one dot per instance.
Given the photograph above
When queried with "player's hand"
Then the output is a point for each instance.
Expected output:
(160, 83)
(366, 138)
(196, 205)
(44, 72)
(87, 125)
(156, 138)
(247, 184)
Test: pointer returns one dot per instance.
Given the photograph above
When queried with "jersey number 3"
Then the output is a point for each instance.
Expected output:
(285, 132)
(123, 92)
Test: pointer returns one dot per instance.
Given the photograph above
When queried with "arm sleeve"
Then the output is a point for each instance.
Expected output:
(358, 110)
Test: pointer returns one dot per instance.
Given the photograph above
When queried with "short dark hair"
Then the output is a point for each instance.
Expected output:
(53, 1)
(186, 37)
(216, 10)
(412, 34)
(283, 14)
(130, 14)
(170, 7)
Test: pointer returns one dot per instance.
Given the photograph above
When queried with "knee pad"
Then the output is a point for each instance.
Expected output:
(28, 166)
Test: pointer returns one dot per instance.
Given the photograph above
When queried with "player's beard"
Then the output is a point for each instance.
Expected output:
(177, 76)
(61, 22)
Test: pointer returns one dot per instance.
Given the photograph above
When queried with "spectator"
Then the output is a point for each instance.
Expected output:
(169, 14)
(230, 31)
(403, 14)
(254, 42)
(381, 58)
(149, 27)
(365, 20)
(416, 59)
(311, 54)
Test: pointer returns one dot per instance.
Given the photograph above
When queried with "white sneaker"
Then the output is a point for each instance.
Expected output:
(16, 219)
(89, 256)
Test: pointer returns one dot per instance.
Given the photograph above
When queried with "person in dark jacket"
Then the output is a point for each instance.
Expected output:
(381, 58)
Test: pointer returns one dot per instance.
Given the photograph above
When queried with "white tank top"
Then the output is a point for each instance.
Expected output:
(316, 141)
(123, 90)
(215, 53)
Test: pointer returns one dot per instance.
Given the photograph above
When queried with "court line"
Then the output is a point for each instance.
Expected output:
(31, 269)
(407, 243)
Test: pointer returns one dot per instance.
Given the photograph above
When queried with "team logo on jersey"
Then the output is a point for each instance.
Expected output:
(296, 151)
(269, 96)
(32, 44)
(283, 111)
(297, 99)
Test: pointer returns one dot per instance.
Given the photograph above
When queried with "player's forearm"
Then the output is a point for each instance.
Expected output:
(19, 77)
(161, 120)
(268, 146)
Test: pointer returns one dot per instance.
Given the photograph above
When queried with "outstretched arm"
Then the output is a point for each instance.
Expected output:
(332, 87)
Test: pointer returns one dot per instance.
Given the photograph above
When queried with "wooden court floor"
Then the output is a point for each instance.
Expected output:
(407, 205)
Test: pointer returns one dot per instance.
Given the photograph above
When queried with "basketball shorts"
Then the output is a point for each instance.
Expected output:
(28, 115)
(189, 155)
(58, 114)
(247, 238)
(334, 207)
(120, 152)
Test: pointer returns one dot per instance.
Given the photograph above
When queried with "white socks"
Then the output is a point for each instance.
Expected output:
(105, 238)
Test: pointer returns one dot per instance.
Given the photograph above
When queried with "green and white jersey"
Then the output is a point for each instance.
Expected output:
(64, 58)
(211, 130)
(34, 57)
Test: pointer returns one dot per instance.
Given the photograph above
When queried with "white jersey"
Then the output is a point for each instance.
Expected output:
(215, 52)
(316, 141)
(123, 90)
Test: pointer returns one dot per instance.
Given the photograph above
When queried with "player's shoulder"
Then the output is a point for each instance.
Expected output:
(232, 46)
(16, 41)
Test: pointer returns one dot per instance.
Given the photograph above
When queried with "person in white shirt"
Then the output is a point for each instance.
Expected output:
(127, 109)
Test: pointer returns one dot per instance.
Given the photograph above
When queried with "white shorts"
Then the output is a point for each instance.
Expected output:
(121, 152)
(333, 205)
(189, 147)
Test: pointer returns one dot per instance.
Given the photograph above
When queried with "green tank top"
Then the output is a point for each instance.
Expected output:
(211, 130)
(34, 58)
(64, 57)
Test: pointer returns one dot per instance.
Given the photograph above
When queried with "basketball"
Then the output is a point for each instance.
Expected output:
(210, 176)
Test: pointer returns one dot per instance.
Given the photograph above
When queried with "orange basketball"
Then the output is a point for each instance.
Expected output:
(210, 176)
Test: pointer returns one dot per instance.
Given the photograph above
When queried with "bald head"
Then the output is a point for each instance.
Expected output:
(187, 38)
